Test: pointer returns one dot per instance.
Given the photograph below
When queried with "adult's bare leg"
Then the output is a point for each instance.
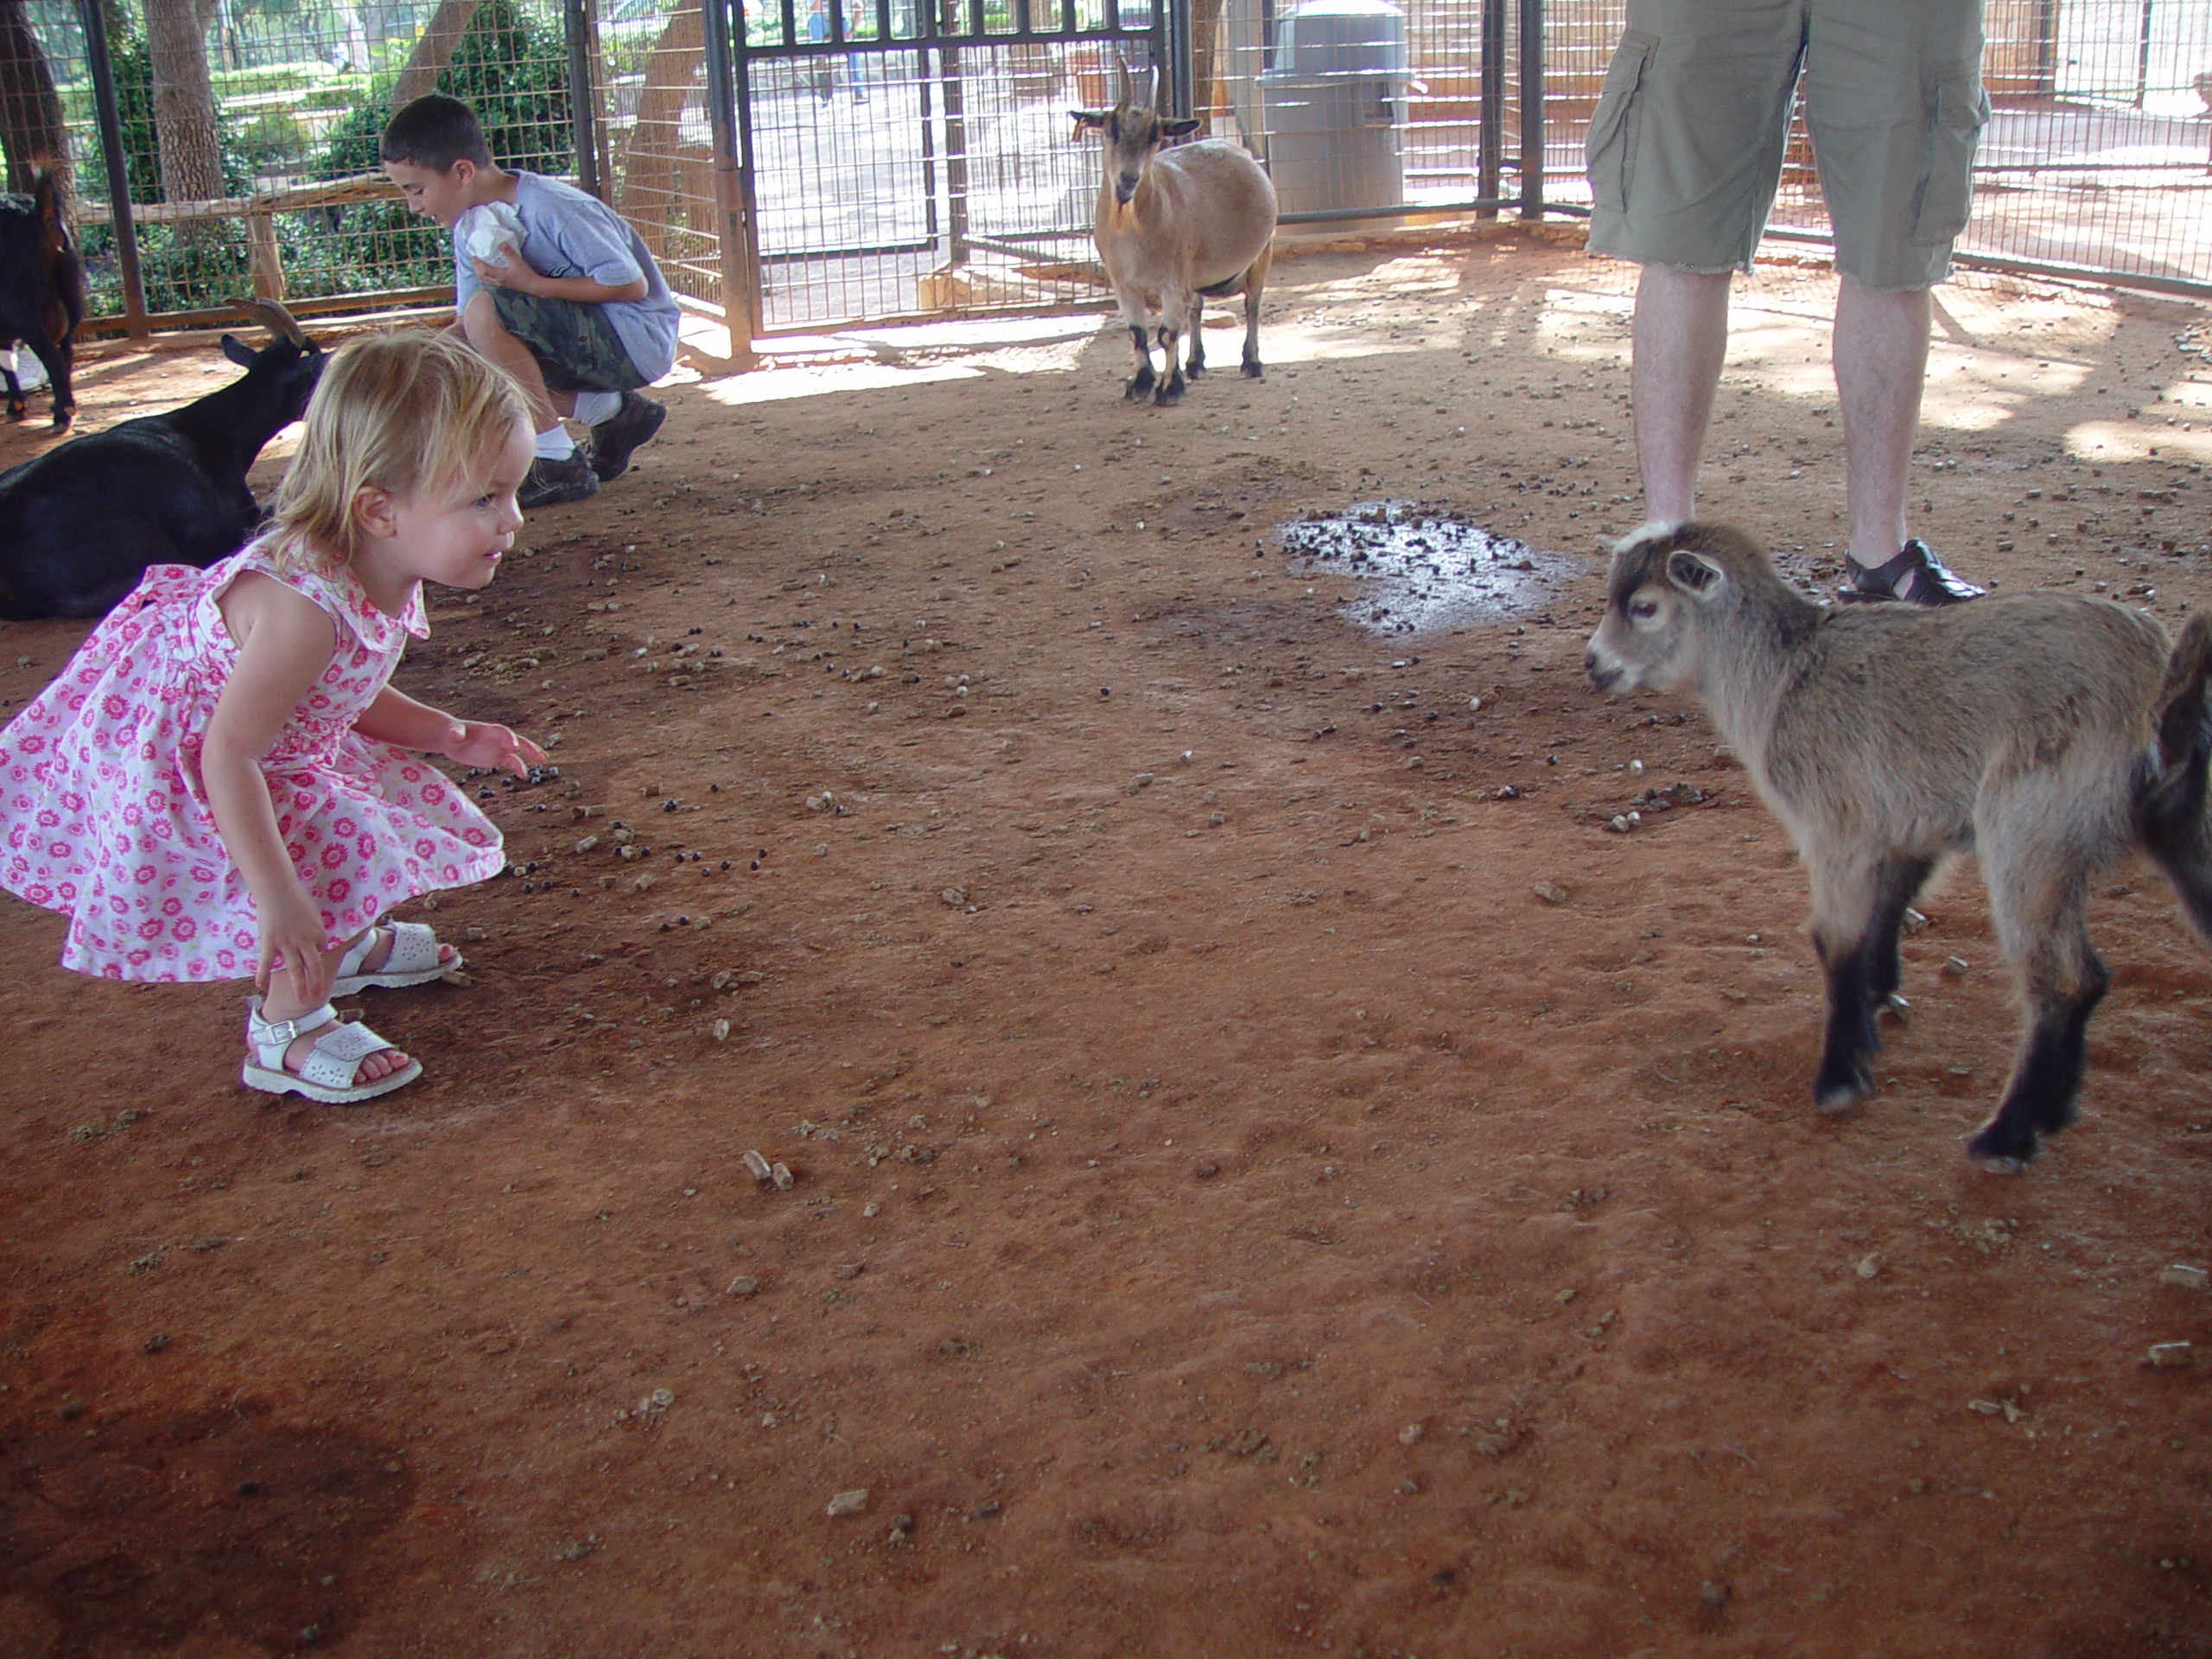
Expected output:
(1681, 339)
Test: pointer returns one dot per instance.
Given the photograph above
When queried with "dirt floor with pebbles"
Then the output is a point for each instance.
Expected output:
(1269, 1167)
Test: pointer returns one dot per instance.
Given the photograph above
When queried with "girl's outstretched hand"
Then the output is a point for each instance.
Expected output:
(292, 928)
(481, 743)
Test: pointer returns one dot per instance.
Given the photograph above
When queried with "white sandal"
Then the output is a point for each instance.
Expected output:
(328, 1073)
(413, 960)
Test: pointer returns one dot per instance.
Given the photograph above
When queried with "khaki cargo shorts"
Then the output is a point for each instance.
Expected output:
(1686, 147)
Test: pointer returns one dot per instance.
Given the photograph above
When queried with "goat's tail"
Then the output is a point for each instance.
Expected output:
(65, 297)
(2171, 807)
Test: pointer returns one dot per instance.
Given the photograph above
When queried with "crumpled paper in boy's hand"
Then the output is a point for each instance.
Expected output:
(491, 231)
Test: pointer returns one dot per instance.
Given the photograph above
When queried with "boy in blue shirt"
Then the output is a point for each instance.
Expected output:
(579, 313)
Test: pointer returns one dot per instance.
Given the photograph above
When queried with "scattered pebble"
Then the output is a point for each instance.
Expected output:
(848, 1502)
(759, 1166)
(2184, 1276)
(1550, 891)
(743, 1285)
(2171, 1354)
(1954, 967)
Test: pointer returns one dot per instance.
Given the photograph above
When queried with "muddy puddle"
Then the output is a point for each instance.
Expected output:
(1422, 570)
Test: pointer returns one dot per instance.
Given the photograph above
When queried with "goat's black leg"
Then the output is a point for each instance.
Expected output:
(1856, 921)
(1141, 382)
(1197, 363)
(1169, 390)
(1901, 884)
(18, 406)
(57, 357)
(1254, 280)
(1847, 1073)
(2047, 1076)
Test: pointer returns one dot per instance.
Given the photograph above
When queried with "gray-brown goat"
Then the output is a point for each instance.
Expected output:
(1181, 225)
(2047, 734)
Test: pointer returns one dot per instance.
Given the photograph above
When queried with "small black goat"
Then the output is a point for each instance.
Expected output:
(80, 524)
(42, 294)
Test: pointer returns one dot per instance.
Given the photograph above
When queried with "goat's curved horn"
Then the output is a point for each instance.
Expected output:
(1120, 79)
(278, 319)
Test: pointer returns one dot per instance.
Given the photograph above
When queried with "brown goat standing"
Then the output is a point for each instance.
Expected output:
(1181, 225)
(2047, 734)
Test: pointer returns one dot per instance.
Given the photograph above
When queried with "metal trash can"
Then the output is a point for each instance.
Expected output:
(1334, 105)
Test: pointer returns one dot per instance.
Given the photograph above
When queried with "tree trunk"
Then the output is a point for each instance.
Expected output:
(184, 102)
(648, 167)
(1206, 26)
(30, 110)
(433, 52)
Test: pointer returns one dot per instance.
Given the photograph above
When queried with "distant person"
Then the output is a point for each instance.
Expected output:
(824, 71)
(1685, 153)
(223, 783)
(579, 315)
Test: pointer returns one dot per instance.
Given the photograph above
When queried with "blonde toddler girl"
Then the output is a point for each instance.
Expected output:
(219, 786)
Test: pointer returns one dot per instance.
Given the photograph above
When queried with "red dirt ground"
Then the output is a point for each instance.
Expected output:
(1232, 1213)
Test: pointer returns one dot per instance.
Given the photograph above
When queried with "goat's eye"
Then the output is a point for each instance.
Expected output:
(1643, 609)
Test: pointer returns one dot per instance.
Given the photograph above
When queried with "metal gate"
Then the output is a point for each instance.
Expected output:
(904, 158)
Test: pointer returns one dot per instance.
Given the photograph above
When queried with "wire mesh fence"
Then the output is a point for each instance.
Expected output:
(816, 162)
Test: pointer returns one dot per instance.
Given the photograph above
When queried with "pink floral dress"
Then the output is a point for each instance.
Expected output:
(104, 816)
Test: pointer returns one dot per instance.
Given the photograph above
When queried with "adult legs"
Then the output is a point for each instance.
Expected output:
(1880, 352)
(1680, 339)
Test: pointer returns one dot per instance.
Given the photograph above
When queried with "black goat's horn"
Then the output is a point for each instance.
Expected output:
(278, 319)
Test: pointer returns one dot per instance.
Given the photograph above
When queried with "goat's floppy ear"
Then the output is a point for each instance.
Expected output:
(238, 351)
(1087, 120)
(1179, 129)
(1692, 572)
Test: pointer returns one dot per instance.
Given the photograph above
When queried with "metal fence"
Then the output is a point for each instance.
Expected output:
(810, 163)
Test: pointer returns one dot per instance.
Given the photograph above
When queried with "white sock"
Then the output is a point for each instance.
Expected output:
(593, 407)
(555, 443)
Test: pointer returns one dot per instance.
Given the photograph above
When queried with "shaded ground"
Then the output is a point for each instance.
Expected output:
(1232, 1211)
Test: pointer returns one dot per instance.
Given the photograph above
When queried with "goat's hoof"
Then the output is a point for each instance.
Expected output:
(1254, 371)
(1168, 391)
(1842, 1091)
(1194, 371)
(1136, 390)
(19, 411)
(2002, 1150)
(63, 419)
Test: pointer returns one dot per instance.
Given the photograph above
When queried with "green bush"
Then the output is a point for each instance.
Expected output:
(511, 65)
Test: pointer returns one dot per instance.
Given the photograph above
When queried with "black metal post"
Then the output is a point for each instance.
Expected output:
(118, 172)
(1174, 43)
(1532, 109)
(577, 26)
(1489, 130)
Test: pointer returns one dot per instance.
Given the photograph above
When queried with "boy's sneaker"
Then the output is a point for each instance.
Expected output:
(614, 438)
(550, 482)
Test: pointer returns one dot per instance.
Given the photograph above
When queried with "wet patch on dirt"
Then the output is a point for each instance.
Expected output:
(1429, 569)
(131, 1533)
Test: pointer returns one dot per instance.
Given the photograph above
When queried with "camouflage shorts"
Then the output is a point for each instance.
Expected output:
(575, 346)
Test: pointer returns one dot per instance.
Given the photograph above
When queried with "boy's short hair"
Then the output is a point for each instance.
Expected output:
(435, 131)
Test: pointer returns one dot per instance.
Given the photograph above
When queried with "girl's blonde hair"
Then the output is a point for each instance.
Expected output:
(406, 413)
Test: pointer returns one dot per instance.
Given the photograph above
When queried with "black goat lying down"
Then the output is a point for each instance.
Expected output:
(42, 294)
(80, 524)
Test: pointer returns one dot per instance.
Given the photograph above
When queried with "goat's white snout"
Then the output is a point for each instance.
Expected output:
(1604, 668)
